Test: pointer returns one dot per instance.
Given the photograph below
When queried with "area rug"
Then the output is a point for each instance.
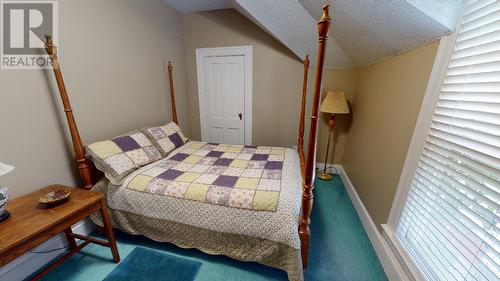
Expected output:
(144, 265)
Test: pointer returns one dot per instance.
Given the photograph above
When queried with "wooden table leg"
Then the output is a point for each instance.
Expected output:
(109, 231)
(100, 229)
(71, 240)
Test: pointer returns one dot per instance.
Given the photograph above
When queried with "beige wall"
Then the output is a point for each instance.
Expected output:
(112, 55)
(277, 74)
(277, 80)
(384, 112)
(114, 71)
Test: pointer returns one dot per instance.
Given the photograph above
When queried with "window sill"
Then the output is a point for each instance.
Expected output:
(406, 262)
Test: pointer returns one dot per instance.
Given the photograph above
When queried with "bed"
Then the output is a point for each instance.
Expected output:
(248, 203)
(222, 225)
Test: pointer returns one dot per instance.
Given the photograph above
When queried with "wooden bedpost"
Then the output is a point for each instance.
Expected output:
(308, 183)
(79, 148)
(300, 141)
(172, 95)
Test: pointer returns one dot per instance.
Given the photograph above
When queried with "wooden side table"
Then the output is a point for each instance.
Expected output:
(30, 225)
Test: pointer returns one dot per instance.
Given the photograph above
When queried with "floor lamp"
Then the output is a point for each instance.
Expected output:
(334, 103)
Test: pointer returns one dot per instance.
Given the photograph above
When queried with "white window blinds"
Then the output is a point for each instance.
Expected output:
(449, 224)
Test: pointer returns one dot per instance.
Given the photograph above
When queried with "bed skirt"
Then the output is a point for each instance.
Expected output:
(239, 247)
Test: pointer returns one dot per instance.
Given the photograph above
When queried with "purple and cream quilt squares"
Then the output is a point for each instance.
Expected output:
(241, 198)
(199, 168)
(216, 170)
(247, 149)
(201, 152)
(218, 195)
(170, 174)
(263, 150)
(265, 200)
(227, 175)
(166, 138)
(252, 164)
(206, 179)
(196, 145)
(183, 167)
(223, 162)
(229, 155)
(179, 157)
(239, 163)
(167, 164)
(156, 171)
(157, 186)
(208, 160)
(210, 146)
(226, 181)
(247, 183)
(176, 189)
(269, 185)
(141, 182)
(197, 192)
(188, 177)
(252, 173)
(233, 171)
(220, 147)
(244, 156)
(121, 155)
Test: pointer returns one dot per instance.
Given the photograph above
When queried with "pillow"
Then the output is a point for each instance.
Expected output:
(121, 155)
(167, 138)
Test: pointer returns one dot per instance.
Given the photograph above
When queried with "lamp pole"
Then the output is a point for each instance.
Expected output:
(324, 175)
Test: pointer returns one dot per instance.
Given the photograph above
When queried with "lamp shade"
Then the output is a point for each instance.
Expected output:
(5, 169)
(334, 103)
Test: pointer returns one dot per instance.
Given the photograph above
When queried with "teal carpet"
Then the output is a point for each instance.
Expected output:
(143, 263)
(340, 249)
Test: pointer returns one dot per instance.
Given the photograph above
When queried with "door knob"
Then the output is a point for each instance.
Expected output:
(241, 116)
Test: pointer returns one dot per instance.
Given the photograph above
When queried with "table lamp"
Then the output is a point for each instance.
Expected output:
(4, 192)
(334, 103)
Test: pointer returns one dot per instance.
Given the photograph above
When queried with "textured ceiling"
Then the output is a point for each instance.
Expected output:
(363, 31)
(294, 27)
(445, 12)
(193, 6)
(370, 30)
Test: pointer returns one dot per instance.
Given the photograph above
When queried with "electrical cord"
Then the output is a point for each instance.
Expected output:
(335, 171)
(329, 169)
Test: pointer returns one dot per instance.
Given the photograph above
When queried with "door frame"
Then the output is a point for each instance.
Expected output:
(246, 52)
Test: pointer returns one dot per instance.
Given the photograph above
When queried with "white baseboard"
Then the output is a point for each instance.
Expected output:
(388, 259)
(27, 264)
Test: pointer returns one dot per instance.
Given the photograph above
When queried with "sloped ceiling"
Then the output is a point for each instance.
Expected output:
(363, 32)
(193, 6)
(370, 30)
(294, 27)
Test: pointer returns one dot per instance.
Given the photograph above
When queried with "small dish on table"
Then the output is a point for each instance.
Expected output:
(54, 198)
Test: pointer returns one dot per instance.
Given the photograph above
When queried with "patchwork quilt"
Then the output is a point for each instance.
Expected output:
(244, 177)
(167, 138)
(120, 156)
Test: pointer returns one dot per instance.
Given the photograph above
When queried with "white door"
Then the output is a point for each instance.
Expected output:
(222, 91)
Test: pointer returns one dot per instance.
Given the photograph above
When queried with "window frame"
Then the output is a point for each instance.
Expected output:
(420, 131)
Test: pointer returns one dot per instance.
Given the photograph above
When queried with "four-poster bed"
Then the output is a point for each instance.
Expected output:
(282, 250)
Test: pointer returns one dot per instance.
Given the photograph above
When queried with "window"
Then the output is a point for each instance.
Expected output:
(449, 223)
